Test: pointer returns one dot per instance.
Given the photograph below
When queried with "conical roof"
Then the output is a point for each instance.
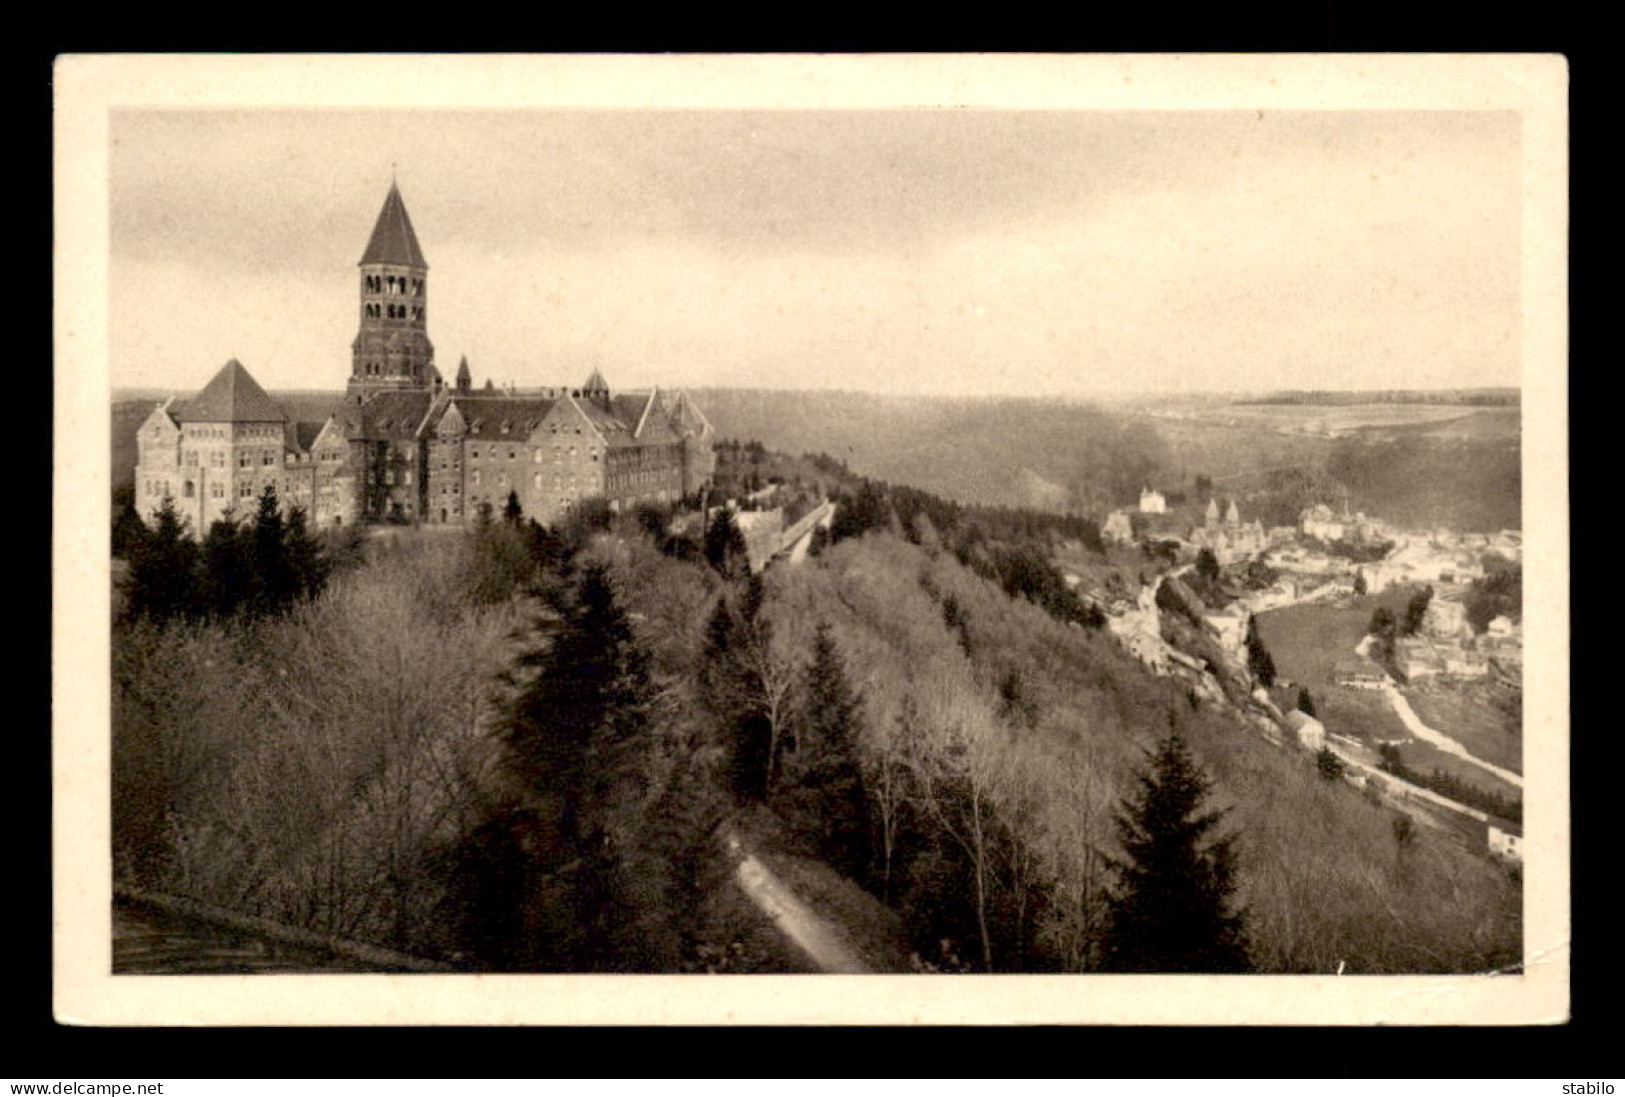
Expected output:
(393, 240)
(233, 396)
(596, 382)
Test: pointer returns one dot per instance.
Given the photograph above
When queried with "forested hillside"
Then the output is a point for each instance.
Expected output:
(514, 748)
(1054, 455)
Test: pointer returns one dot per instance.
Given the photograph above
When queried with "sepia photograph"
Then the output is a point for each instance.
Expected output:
(697, 518)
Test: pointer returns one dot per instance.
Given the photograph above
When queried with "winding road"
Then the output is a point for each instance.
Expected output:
(1413, 724)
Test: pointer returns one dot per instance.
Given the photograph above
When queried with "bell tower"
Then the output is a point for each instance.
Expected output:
(392, 349)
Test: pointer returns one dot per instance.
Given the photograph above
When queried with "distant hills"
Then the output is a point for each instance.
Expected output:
(1481, 397)
(1414, 466)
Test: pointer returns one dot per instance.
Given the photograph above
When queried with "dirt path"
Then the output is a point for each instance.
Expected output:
(798, 922)
(1413, 724)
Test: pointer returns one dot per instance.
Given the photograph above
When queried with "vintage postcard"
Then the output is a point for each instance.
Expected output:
(811, 539)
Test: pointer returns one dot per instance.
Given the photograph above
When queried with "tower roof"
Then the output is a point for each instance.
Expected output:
(596, 382)
(233, 396)
(393, 240)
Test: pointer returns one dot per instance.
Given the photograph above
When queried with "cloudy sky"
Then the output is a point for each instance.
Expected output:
(946, 251)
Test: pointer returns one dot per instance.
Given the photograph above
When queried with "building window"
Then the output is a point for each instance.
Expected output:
(474, 477)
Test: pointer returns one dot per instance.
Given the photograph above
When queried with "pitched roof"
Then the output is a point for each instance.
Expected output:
(596, 382)
(232, 397)
(299, 437)
(396, 414)
(617, 431)
(688, 416)
(486, 416)
(393, 240)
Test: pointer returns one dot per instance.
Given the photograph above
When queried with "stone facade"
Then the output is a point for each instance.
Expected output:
(216, 453)
(402, 446)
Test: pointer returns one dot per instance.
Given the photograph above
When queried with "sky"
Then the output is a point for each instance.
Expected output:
(953, 252)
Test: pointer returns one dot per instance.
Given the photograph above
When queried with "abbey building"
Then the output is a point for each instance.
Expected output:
(402, 445)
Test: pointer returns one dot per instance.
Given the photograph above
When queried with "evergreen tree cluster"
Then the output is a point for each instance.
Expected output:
(820, 791)
(1009, 547)
(1452, 788)
(577, 742)
(243, 569)
(736, 680)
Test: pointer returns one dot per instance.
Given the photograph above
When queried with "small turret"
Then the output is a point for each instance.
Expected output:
(465, 379)
(596, 388)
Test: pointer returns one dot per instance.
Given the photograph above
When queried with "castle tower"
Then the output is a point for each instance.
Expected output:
(465, 379)
(392, 349)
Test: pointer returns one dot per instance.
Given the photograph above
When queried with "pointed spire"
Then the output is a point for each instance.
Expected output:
(393, 240)
(596, 385)
(465, 379)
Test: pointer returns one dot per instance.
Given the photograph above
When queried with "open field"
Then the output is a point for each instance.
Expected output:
(1331, 420)
(1361, 713)
(1308, 641)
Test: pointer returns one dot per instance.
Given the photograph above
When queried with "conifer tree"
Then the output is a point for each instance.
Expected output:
(162, 573)
(823, 785)
(1171, 911)
(129, 535)
(575, 740)
(1416, 610)
(737, 642)
(271, 586)
(1207, 566)
(307, 562)
(725, 546)
(1258, 656)
(225, 577)
(512, 512)
(1306, 701)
